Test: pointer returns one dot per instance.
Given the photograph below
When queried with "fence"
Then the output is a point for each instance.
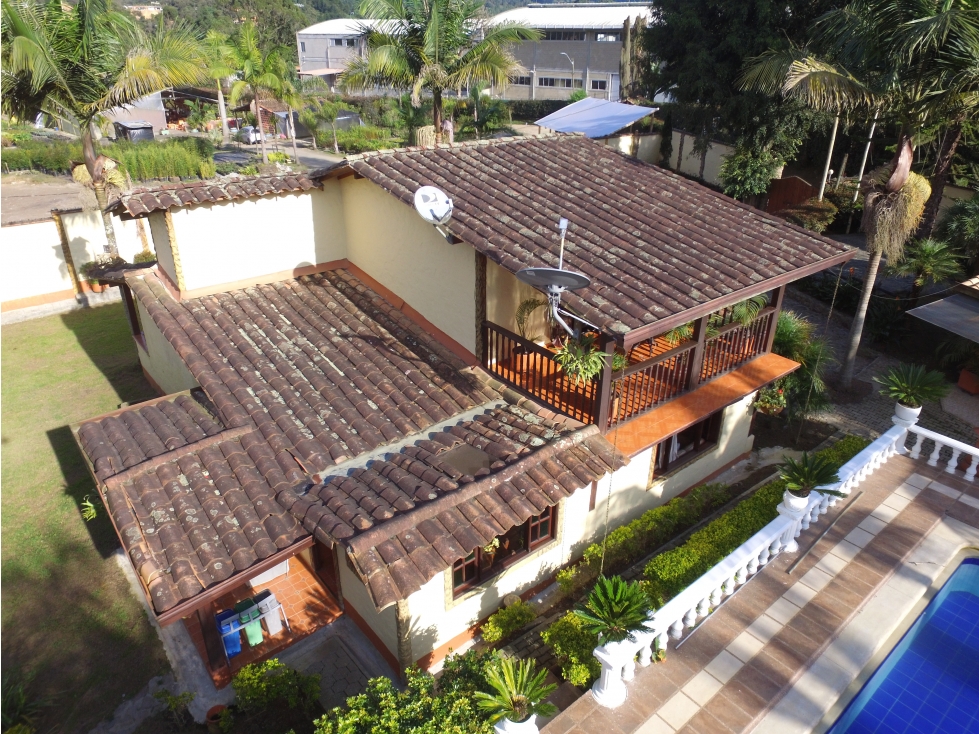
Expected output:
(735, 345)
(645, 385)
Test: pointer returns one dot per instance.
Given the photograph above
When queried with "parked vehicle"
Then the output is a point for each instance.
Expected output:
(249, 135)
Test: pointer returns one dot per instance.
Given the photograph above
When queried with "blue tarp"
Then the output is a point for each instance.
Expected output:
(596, 118)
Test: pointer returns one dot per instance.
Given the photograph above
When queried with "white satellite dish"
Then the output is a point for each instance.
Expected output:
(433, 205)
(555, 281)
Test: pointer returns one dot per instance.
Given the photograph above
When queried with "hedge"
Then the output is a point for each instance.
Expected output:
(573, 647)
(671, 572)
(531, 110)
(627, 544)
(507, 620)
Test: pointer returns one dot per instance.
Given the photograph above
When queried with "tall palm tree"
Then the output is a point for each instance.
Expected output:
(927, 261)
(260, 75)
(909, 60)
(434, 46)
(82, 62)
(324, 111)
(219, 67)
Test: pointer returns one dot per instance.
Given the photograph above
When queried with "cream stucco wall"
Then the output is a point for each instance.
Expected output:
(230, 242)
(504, 294)
(384, 624)
(86, 236)
(33, 261)
(161, 243)
(391, 243)
(160, 359)
(437, 618)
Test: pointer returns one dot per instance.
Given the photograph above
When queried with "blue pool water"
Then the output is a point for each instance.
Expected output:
(929, 683)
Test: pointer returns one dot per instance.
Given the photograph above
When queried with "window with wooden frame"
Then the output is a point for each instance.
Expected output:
(683, 447)
(486, 562)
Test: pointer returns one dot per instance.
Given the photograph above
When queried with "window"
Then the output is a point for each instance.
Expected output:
(683, 447)
(599, 85)
(564, 35)
(343, 42)
(523, 81)
(549, 81)
(608, 37)
(302, 46)
(481, 565)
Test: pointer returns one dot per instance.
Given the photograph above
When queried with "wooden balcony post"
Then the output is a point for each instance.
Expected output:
(480, 307)
(697, 358)
(603, 397)
(773, 324)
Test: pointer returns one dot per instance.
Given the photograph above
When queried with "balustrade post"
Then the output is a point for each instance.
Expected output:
(906, 424)
(793, 509)
(609, 690)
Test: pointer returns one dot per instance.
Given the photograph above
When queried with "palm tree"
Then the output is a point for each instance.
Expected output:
(518, 691)
(219, 67)
(324, 111)
(260, 74)
(927, 261)
(82, 62)
(959, 227)
(434, 45)
(808, 473)
(615, 610)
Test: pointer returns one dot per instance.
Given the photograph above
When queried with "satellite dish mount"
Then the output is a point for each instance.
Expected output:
(555, 281)
(436, 208)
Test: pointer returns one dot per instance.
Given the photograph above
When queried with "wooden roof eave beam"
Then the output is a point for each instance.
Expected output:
(656, 328)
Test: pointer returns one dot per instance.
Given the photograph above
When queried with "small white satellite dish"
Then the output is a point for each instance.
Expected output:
(433, 205)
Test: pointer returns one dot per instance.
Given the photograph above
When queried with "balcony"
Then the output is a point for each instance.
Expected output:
(660, 369)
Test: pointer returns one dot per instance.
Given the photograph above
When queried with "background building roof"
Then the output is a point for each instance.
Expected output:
(598, 16)
(339, 27)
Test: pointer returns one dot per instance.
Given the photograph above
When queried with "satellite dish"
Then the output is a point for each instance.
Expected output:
(433, 205)
(545, 277)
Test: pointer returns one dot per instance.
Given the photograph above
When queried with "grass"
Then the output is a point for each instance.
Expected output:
(69, 620)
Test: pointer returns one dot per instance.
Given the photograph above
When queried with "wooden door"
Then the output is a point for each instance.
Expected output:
(325, 562)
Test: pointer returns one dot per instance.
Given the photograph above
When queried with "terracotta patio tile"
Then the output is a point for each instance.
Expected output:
(964, 513)
(757, 676)
(861, 573)
(657, 684)
(790, 644)
(741, 695)
(704, 723)
(599, 721)
(628, 717)
(808, 627)
(727, 712)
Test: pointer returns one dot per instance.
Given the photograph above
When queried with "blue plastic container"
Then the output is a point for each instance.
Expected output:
(232, 643)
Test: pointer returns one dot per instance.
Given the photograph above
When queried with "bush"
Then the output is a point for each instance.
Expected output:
(364, 138)
(813, 214)
(671, 572)
(842, 198)
(531, 110)
(35, 155)
(279, 158)
(746, 174)
(260, 685)
(507, 620)
(573, 647)
(144, 257)
(174, 157)
(627, 544)
(419, 709)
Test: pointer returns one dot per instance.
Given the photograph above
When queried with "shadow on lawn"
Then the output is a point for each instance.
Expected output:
(75, 630)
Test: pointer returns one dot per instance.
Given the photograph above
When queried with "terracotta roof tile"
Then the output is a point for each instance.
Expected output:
(143, 200)
(654, 243)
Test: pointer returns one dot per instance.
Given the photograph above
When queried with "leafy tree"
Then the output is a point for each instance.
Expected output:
(434, 46)
(960, 227)
(84, 61)
(219, 57)
(927, 261)
(804, 389)
(746, 173)
(324, 112)
(259, 74)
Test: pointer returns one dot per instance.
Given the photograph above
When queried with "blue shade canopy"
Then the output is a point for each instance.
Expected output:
(596, 118)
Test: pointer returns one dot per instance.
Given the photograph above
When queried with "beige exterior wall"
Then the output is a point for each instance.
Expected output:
(391, 243)
(437, 618)
(160, 359)
(384, 624)
(86, 236)
(504, 294)
(230, 242)
(33, 261)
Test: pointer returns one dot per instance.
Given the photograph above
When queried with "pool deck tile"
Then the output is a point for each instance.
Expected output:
(768, 640)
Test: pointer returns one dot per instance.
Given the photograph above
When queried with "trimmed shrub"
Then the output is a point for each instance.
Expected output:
(260, 685)
(573, 647)
(278, 157)
(671, 572)
(812, 214)
(507, 620)
(531, 110)
(627, 544)
(36, 155)
(363, 138)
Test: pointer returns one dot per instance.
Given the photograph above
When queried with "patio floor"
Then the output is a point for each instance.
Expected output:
(308, 607)
(729, 675)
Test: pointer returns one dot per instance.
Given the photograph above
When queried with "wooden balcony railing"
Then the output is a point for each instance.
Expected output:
(531, 369)
(735, 345)
(641, 387)
(663, 374)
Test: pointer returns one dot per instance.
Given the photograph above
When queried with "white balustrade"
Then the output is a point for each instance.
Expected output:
(699, 599)
(956, 447)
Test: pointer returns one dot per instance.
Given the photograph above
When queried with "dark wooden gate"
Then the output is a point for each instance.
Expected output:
(785, 192)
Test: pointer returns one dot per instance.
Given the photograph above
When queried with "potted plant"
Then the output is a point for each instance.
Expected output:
(803, 476)
(518, 696)
(615, 610)
(770, 401)
(620, 361)
(489, 551)
(911, 385)
(580, 359)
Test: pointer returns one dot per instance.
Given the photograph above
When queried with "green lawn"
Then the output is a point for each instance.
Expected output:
(69, 619)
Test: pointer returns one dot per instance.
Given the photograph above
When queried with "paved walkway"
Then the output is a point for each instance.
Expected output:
(729, 675)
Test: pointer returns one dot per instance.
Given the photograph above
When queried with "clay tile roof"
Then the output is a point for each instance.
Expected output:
(409, 516)
(655, 244)
(323, 366)
(143, 200)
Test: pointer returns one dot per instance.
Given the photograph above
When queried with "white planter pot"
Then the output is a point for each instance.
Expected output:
(505, 726)
(793, 503)
(904, 413)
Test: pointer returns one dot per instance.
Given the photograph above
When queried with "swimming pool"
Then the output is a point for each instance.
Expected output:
(929, 683)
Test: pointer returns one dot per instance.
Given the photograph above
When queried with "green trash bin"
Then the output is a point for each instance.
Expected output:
(247, 611)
